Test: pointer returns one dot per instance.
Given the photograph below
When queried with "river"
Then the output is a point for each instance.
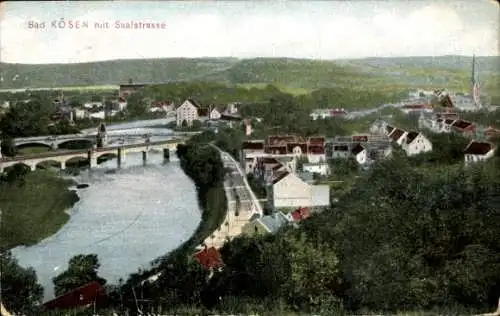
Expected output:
(128, 217)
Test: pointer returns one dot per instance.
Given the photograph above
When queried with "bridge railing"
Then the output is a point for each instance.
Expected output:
(81, 151)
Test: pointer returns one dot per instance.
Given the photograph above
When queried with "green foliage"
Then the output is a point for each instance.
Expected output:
(82, 270)
(27, 119)
(20, 290)
(136, 105)
(202, 163)
(412, 239)
(8, 148)
(257, 186)
(448, 148)
(290, 267)
(343, 167)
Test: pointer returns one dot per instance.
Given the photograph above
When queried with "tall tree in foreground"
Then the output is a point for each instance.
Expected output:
(20, 291)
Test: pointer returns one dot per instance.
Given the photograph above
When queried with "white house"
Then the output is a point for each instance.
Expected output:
(359, 153)
(98, 115)
(398, 136)
(416, 143)
(478, 151)
(248, 127)
(92, 105)
(321, 168)
(287, 190)
(80, 113)
(214, 114)
(188, 112)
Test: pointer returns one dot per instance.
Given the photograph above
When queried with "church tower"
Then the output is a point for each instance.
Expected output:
(102, 137)
(475, 84)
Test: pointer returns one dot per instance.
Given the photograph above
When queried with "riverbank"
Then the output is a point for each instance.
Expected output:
(35, 208)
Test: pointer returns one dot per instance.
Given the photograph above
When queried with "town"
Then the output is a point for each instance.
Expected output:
(297, 158)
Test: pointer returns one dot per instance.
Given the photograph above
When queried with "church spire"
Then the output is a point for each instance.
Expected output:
(474, 83)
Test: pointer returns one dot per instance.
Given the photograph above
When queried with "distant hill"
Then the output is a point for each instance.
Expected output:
(298, 73)
(110, 72)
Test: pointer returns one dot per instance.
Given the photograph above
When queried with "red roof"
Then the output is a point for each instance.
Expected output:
(396, 134)
(462, 125)
(84, 295)
(255, 145)
(301, 214)
(209, 258)
(478, 148)
(316, 150)
(320, 141)
(280, 140)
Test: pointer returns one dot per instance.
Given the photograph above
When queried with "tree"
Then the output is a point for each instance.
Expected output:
(20, 291)
(136, 105)
(27, 119)
(82, 270)
(8, 147)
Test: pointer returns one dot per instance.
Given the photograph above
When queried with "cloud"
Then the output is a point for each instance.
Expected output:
(429, 30)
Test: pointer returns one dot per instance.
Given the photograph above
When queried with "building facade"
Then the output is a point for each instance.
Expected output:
(187, 113)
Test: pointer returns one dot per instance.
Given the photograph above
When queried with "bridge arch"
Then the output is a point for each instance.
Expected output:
(103, 157)
(34, 144)
(80, 143)
(78, 160)
(45, 164)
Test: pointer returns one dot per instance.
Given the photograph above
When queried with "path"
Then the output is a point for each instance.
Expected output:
(235, 185)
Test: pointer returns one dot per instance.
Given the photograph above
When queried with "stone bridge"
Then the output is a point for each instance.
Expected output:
(55, 141)
(91, 155)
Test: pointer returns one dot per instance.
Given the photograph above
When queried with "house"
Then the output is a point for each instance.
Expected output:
(416, 143)
(187, 112)
(231, 109)
(491, 133)
(388, 129)
(321, 168)
(316, 149)
(327, 113)
(340, 151)
(416, 108)
(209, 258)
(378, 150)
(266, 224)
(80, 113)
(287, 190)
(463, 127)
(398, 136)
(128, 89)
(82, 296)
(247, 125)
(478, 151)
(93, 105)
(359, 153)
(214, 114)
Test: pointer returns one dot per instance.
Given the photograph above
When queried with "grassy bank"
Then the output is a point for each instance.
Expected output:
(214, 206)
(34, 209)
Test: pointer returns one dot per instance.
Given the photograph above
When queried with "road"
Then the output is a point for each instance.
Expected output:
(242, 203)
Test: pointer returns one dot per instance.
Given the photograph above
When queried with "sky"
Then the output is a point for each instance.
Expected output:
(248, 29)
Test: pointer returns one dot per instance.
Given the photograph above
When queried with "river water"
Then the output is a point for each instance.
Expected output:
(128, 217)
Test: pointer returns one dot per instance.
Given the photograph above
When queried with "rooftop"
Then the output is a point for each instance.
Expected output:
(396, 134)
(274, 222)
(411, 136)
(320, 195)
(478, 148)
